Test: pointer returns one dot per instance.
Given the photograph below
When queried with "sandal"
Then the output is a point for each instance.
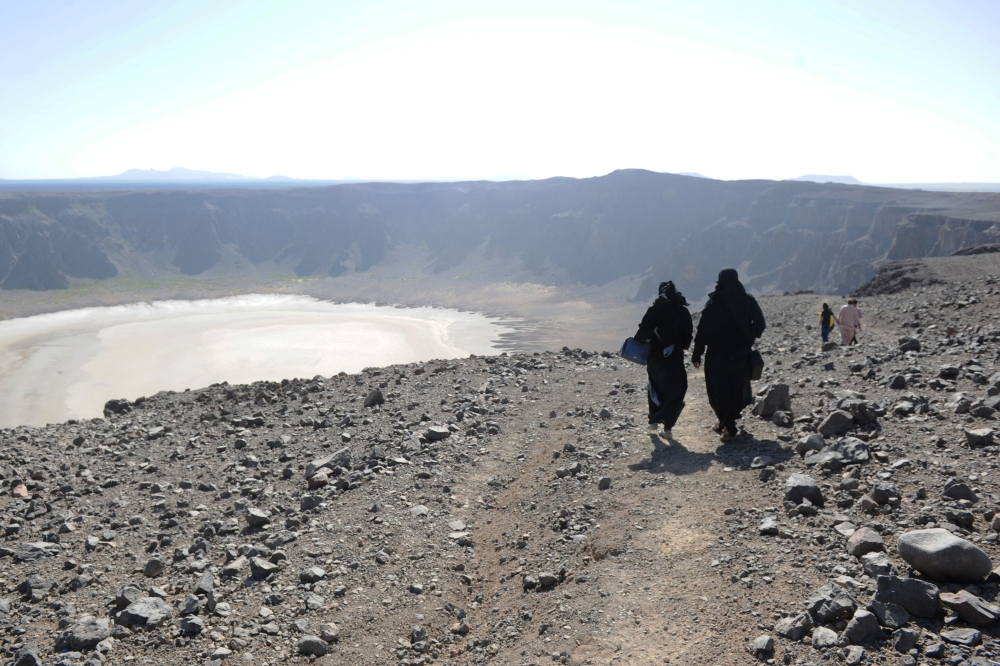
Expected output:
(727, 436)
(717, 427)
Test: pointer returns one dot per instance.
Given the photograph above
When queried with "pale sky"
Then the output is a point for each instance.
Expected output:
(897, 91)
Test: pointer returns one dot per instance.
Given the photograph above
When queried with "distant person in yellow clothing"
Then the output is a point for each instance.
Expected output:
(850, 322)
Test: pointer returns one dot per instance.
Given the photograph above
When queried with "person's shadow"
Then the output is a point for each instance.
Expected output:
(671, 456)
(674, 458)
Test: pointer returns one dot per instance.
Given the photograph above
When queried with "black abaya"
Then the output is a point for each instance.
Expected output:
(668, 385)
(727, 382)
(667, 323)
(729, 324)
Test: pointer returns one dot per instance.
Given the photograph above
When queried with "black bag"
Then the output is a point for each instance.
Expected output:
(756, 365)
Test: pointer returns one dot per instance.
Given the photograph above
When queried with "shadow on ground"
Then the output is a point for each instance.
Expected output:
(672, 457)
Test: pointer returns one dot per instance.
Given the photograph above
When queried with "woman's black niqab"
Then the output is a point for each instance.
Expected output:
(731, 295)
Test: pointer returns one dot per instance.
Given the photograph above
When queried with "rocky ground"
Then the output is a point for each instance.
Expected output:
(515, 510)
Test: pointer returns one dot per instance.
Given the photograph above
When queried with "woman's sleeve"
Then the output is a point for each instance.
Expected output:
(647, 325)
(701, 337)
(685, 329)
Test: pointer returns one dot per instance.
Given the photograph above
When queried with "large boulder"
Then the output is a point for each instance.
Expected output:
(915, 596)
(942, 556)
(799, 487)
(836, 423)
(776, 400)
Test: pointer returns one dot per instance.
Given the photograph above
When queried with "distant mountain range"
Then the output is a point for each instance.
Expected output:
(933, 187)
(781, 235)
(843, 180)
(179, 175)
(171, 178)
(192, 178)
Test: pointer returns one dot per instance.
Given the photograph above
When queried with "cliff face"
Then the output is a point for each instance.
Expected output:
(780, 235)
(829, 239)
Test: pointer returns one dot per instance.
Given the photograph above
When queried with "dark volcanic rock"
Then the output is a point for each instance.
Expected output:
(916, 596)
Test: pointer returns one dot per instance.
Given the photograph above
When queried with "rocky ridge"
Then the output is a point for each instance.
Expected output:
(514, 509)
(784, 235)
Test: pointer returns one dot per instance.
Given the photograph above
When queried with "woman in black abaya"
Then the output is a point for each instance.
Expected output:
(667, 328)
(730, 323)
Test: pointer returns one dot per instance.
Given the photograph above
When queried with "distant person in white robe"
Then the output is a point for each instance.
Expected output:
(850, 322)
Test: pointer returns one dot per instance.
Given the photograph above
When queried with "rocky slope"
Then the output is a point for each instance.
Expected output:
(515, 510)
(960, 268)
(784, 236)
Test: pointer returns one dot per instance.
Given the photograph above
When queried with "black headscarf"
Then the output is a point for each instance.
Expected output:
(669, 293)
(731, 295)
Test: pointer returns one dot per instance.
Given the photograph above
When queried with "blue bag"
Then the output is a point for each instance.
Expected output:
(635, 351)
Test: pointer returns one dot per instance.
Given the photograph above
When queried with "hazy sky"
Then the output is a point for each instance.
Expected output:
(901, 91)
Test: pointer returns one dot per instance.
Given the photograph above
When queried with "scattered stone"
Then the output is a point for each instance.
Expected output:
(799, 487)
(34, 551)
(941, 556)
(970, 608)
(148, 612)
(813, 442)
(311, 646)
(777, 399)
(257, 518)
(762, 647)
(962, 636)
(794, 628)
(374, 397)
(957, 490)
(836, 423)
(312, 575)
(979, 437)
(84, 634)
(904, 640)
(864, 541)
(261, 569)
(831, 603)
(329, 632)
(863, 629)
(823, 638)
(889, 614)
(155, 566)
(437, 433)
(916, 596)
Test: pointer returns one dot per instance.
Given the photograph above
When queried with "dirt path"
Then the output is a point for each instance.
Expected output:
(650, 587)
